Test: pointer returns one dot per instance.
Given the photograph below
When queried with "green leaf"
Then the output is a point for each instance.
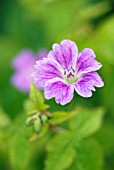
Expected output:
(87, 122)
(60, 152)
(36, 95)
(36, 101)
(29, 107)
(61, 116)
(5, 133)
(21, 150)
(41, 134)
(89, 156)
(72, 146)
(43, 131)
(4, 119)
(104, 136)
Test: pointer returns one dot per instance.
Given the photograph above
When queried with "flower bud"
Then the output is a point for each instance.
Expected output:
(37, 125)
(44, 118)
(29, 121)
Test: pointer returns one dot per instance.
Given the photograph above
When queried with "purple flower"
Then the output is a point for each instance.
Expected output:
(65, 70)
(24, 66)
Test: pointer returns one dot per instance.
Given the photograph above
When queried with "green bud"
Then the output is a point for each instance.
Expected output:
(29, 121)
(37, 125)
(44, 118)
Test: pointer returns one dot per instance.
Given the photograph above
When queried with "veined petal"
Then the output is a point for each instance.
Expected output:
(46, 69)
(87, 82)
(65, 54)
(57, 88)
(86, 62)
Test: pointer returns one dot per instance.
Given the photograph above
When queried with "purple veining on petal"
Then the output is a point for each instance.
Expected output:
(87, 82)
(66, 69)
(46, 69)
(70, 52)
(65, 54)
(57, 88)
(86, 62)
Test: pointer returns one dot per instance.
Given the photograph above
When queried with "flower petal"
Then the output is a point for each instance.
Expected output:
(21, 81)
(46, 69)
(62, 92)
(87, 82)
(65, 54)
(86, 62)
(41, 54)
(24, 60)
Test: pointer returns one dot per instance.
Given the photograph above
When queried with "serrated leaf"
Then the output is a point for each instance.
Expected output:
(60, 152)
(61, 116)
(87, 122)
(89, 156)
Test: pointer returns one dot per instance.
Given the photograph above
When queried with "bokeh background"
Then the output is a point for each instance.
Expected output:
(37, 24)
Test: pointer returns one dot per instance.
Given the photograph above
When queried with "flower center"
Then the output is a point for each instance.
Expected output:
(70, 76)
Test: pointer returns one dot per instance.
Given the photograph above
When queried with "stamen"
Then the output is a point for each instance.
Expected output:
(70, 75)
(64, 72)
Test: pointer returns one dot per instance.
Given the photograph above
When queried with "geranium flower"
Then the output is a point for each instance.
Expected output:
(24, 66)
(65, 70)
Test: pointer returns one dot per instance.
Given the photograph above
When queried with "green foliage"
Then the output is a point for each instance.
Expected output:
(72, 145)
(60, 152)
(21, 151)
(4, 119)
(87, 121)
(36, 102)
(38, 24)
(61, 116)
(88, 156)
(38, 116)
(5, 124)
(41, 134)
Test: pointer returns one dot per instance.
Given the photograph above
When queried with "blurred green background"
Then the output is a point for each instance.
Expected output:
(37, 24)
